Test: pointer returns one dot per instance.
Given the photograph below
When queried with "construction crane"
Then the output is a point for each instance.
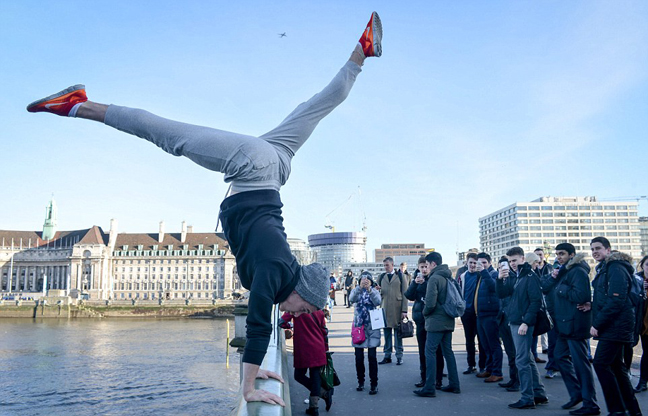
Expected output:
(624, 198)
(329, 223)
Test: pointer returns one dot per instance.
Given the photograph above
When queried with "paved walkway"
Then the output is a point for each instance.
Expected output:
(396, 383)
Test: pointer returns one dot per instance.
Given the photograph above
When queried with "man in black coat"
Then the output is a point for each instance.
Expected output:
(570, 287)
(613, 326)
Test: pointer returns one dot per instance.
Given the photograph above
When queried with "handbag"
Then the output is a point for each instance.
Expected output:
(328, 374)
(406, 328)
(544, 323)
(358, 334)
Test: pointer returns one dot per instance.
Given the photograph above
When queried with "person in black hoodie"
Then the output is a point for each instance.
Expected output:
(613, 324)
(567, 288)
(416, 293)
(525, 302)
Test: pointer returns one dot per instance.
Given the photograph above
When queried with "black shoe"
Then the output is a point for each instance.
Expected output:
(360, 387)
(385, 361)
(470, 370)
(448, 389)
(438, 385)
(586, 411)
(399, 361)
(522, 405)
(328, 399)
(312, 411)
(571, 403)
(423, 393)
(373, 390)
(642, 386)
(514, 387)
(507, 384)
(545, 351)
(541, 400)
(420, 384)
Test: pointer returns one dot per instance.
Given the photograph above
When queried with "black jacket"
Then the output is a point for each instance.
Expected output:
(416, 292)
(526, 296)
(487, 302)
(504, 289)
(613, 312)
(572, 288)
(254, 229)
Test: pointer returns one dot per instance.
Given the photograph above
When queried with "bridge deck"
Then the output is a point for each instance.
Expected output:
(396, 383)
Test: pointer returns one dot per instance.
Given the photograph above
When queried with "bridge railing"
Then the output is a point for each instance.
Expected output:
(275, 360)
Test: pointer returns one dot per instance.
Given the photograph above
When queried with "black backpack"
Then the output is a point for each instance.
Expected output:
(637, 296)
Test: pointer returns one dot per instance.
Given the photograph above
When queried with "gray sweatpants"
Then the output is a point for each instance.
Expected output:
(249, 162)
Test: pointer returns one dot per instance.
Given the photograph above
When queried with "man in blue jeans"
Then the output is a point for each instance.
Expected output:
(526, 299)
(257, 167)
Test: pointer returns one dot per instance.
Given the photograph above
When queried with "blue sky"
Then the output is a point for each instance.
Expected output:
(473, 106)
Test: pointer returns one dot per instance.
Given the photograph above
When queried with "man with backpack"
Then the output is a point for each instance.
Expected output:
(443, 303)
(613, 325)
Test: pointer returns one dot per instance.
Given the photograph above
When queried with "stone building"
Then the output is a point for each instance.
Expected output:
(95, 265)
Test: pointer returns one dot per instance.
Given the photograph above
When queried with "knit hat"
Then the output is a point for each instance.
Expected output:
(367, 275)
(313, 285)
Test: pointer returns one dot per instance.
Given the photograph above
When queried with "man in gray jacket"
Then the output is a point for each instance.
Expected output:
(439, 326)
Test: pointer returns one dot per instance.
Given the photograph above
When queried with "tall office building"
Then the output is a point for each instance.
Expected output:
(548, 221)
(334, 250)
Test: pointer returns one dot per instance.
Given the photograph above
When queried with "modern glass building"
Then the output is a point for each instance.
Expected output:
(548, 221)
(334, 250)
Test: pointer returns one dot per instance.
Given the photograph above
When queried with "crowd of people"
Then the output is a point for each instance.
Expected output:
(504, 306)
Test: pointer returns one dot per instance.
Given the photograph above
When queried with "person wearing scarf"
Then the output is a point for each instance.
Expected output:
(366, 298)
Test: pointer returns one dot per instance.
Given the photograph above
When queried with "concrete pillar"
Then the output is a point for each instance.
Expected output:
(33, 285)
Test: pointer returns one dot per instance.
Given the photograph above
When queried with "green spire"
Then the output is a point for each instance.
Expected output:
(49, 227)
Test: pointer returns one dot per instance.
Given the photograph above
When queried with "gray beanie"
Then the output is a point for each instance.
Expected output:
(313, 285)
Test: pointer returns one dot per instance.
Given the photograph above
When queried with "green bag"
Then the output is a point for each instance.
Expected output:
(329, 376)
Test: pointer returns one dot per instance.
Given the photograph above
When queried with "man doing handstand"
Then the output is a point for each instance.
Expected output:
(257, 167)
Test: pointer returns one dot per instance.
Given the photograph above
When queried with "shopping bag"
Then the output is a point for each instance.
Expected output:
(377, 319)
(328, 374)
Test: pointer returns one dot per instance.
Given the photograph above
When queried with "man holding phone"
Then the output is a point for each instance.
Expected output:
(505, 277)
(525, 301)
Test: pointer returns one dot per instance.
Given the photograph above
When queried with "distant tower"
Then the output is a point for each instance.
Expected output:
(49, 227)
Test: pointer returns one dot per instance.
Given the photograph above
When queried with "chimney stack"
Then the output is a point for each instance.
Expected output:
(189, 229)
(183, 236)
(161, 233)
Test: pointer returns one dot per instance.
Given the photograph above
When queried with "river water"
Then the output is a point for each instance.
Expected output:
(116, 367)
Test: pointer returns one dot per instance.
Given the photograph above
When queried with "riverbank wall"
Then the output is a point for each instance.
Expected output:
(27, 309)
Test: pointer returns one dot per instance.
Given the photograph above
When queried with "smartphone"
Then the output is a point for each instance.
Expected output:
(505, 265)
(556, 265)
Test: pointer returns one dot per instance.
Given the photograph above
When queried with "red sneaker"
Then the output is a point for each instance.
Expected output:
(60, 103)
(371, 38)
